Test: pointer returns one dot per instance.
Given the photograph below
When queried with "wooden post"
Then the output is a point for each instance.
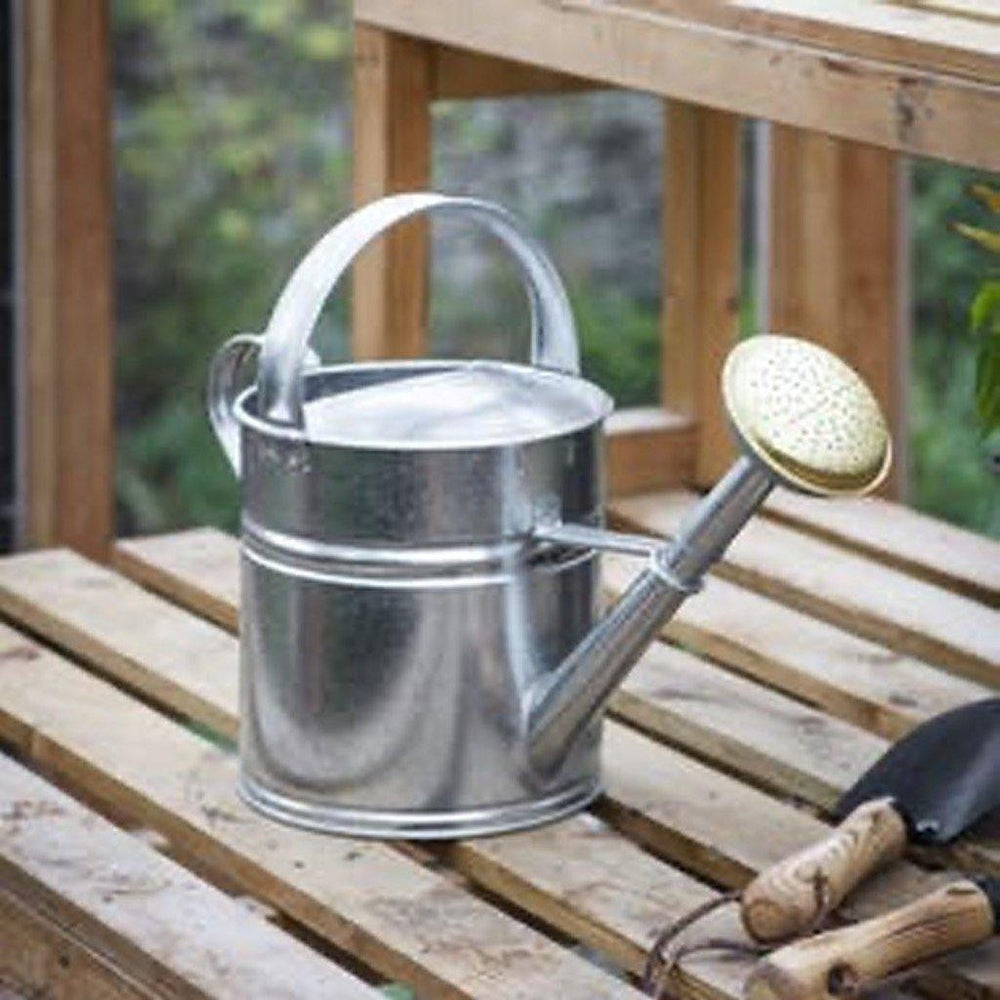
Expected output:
(701, 252)
(835, 271)
(392, 94)
(66, 210)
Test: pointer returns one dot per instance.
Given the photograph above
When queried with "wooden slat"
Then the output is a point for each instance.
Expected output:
(199, 568)
(39, 959)
(835, 261)
(900, 107)
(67, 204)
(689, 809)
(404, 920)
(392, 93)
(670, 801)
(648, 445)
(932, 38)
(849, 590)
(701, 261)
(742, 728)
(976, 11)
(849, 677)
(185, 663)
(117, 897)
(459, 73)
(760, 736)
(178, 660)
(775, 742)
(898, 536)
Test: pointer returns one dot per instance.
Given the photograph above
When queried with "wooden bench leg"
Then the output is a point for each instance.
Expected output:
(68, 354)
(835, 261)
(392, 95)
(701, 254)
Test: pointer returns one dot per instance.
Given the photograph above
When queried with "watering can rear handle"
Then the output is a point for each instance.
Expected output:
(284, 344)
(224, 385)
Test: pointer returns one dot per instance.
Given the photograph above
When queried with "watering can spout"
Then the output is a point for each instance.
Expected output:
(563, 702)
(805, 420)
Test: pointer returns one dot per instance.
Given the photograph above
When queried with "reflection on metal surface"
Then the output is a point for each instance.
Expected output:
(420, 649)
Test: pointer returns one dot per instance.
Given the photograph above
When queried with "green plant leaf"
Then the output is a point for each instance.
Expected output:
(988, 382)
(988, 196)
(985, 310)
(985, 238)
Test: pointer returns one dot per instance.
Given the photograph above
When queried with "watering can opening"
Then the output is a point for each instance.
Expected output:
(470, 404)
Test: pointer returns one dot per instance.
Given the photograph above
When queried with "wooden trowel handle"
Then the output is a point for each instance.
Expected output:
(785, 900)
(842, 963)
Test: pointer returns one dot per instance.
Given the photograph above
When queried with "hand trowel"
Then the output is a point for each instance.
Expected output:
(927, 789)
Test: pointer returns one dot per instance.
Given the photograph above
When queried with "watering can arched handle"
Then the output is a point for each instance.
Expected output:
(284, 344)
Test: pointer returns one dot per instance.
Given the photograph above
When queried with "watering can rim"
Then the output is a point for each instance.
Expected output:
(599, 402)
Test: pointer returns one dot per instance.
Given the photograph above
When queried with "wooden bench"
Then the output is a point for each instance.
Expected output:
(727, 746)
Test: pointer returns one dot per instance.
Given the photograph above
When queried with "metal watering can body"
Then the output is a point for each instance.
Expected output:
(422, 652)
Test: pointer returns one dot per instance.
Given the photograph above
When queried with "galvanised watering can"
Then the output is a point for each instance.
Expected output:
(422, 650)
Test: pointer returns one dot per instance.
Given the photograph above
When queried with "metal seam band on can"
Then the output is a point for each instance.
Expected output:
(361, 565)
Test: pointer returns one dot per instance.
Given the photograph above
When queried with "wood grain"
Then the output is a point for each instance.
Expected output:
(788, 899)
(392, 94)
(741, 727)
(686, 701)
(409, 923)
(848, 677)
(200, 568)
(176, 659)
(898, 536)
(845, 589)
(672, 804)
(111, 894)
(461, 74)
(835, 261)
(701, 272)
(945, 36)
(905, 106)
(855, 958)
(648, 445)
(66, 199)
(170, 781)
(39, 959)
(854, 678)
(752, 732)
(184, 663)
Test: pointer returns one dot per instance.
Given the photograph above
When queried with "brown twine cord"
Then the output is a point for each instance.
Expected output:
(660, 963)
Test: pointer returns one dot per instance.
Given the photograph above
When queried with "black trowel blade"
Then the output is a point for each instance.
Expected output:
(943, 776)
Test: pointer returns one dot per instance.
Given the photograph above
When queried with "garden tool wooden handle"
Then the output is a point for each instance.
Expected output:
(788, 898)
(842, 963)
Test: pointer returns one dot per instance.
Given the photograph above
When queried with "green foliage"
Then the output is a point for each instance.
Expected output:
(985, 316)
(619, 345)
(949, 456)
(230, 160)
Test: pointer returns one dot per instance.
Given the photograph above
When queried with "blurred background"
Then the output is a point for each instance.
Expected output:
(233, 155)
